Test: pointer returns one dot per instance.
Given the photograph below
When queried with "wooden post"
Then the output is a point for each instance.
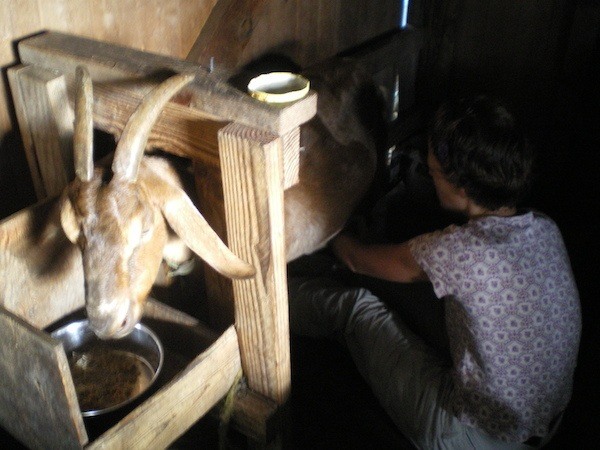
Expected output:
(46, 123)
(252, 171)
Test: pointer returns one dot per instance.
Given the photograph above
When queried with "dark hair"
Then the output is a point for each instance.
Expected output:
(482, 149)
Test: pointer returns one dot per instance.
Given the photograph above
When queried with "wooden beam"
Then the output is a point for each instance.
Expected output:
(255, 416)
(41, 273)
(226, 33)
(252, 170)
(46, 125)
(36, 392)
(180, 130)
(207, 94)
(169, 412)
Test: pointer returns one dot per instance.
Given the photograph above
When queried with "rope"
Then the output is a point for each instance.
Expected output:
(227, 409)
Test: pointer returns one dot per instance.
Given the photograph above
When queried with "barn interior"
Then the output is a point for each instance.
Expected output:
(543, 57)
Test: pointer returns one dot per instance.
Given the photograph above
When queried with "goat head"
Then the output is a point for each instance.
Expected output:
(120, 218)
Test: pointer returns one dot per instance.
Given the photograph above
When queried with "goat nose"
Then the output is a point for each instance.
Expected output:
(111, 323)
(113, 330)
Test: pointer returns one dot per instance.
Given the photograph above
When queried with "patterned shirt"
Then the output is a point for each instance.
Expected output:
(512, 316)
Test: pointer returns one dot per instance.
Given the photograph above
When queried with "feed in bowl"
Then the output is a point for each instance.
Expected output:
(108, 374)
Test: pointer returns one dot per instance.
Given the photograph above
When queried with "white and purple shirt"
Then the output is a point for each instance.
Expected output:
(512, 316)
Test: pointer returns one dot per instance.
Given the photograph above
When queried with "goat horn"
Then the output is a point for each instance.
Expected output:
(130, 148)
(83, 146)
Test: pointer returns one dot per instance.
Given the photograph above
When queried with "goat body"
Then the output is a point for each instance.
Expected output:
(338, 158)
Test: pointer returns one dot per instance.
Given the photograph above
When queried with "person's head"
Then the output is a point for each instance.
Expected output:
(481, 150)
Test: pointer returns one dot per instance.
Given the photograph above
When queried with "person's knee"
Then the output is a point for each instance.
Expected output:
(319, 306)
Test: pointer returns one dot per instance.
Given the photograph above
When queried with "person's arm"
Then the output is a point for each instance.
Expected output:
(392, 262)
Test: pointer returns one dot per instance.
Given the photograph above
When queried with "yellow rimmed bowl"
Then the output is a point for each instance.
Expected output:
(278, 87)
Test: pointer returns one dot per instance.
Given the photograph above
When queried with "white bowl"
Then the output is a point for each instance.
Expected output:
(278, 87)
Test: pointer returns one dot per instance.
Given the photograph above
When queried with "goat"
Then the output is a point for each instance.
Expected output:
(114, 224)
(120, 219)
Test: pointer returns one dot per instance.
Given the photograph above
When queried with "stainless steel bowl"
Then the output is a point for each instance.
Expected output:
(109, 374)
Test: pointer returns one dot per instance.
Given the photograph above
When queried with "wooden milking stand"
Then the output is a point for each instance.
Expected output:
(245, 154)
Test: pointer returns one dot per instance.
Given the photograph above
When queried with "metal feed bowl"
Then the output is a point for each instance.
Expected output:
(109, 374)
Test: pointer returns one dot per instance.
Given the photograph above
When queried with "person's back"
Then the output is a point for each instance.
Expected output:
(513, 320)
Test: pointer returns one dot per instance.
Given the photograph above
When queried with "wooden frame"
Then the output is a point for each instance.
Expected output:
(247, 148)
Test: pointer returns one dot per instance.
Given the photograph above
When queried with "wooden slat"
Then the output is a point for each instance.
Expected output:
(168, 413)
(41, 273)
(257, 417)
(110, 63)
(252, 168)
(26, 132)
(46, 121)
(291, 158)
(179, 130)
(36, 392)
(226, 33)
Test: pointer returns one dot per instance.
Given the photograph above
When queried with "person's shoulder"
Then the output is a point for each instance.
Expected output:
(543, 219)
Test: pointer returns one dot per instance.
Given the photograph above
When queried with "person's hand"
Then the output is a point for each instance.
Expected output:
(342, 246)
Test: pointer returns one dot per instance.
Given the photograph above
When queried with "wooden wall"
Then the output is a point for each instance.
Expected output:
(306, 30)
(166, 27)
(510, 48)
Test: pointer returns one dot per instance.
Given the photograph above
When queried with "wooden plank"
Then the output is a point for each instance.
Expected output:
(26, 132)
(174, 408)
(111, 63)
(159, 310)
(291, 158)
(179, 130)
(41, 273)
(210, 195)
(46, 122)
(252, 168)
(256, 417)
(37, 391)
(226, 34)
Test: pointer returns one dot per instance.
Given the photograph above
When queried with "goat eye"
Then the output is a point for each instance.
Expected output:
(146, 225)
(146, 229)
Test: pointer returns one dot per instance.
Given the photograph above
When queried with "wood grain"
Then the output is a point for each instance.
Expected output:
(174, 408)
(110, 63)
(47, 117)
(252, 170)
(37, 392)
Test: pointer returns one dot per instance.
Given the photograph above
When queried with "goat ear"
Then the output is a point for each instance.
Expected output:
(68, 220)
(183, 217)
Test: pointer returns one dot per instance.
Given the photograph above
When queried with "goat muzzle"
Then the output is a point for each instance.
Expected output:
(116, 321)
